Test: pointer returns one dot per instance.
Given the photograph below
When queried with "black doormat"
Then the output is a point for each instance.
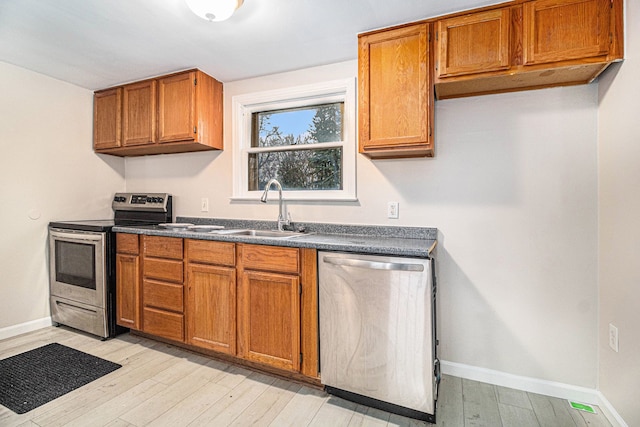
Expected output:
(33, 378)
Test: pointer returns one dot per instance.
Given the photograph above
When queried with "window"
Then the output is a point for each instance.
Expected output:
(304, 137)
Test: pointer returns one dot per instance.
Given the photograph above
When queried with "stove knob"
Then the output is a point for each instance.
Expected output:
(149, 200)
(160, 199)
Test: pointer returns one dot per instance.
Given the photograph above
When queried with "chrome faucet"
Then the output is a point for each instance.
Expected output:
(282, 221)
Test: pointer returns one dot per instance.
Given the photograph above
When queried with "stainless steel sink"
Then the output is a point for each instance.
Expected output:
(272, 234)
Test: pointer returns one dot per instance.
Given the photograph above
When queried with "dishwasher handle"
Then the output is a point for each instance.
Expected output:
(372, 265)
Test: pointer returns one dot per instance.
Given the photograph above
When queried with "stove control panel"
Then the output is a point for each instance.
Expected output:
(141, 202)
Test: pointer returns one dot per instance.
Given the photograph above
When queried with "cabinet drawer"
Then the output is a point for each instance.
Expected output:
(163, 269)
(270, 258)
(163, 323)
(127, 244)
(207, 252)
(162, 247)
(167, 296)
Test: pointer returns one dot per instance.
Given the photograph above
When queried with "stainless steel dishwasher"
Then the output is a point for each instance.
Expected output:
(377, 331)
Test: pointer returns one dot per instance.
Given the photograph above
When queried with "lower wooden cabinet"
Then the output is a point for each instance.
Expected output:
(128, 290)
(255, 302)
(269, 305)
(168, 296)
(127, 281)
(211, 307)
(163, 287)
(269, 319)
(163, 323)
(211, 295)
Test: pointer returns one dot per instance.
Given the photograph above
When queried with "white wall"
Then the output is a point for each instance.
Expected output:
(512, 190)
(48, 172)
(619, 205)
(514, 195)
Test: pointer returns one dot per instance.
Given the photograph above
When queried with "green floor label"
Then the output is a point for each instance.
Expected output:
(582, 407)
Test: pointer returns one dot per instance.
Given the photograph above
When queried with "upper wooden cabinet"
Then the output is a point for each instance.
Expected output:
(526, 45)
(395, 98)
(557, 30)
(139, 113)
(107, 116)
(176, 115)
(473, 43)
(170, 114)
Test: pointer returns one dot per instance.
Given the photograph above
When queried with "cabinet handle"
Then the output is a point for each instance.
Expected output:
(373, 265)
(75, 307)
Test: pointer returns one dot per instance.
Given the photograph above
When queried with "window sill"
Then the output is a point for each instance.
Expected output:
(287, 198)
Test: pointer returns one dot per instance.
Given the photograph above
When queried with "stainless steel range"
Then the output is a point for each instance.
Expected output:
(82, 277)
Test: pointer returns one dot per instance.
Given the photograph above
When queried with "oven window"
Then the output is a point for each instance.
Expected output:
(76, 264)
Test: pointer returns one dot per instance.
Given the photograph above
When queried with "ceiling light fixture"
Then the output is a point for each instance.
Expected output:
(214, 10)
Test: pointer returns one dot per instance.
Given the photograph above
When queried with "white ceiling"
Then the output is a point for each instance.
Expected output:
(101, 43)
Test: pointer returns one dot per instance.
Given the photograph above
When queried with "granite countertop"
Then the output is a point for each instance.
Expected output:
(401, 241)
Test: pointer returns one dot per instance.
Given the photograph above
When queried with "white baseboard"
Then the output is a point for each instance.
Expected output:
(534, 385)
(23, 328)
(610, 412)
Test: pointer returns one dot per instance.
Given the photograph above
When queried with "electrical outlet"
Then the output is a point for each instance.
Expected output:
(613, 337)
(204, 204)
(392, 210)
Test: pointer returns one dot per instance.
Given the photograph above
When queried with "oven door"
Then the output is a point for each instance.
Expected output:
(77, 266)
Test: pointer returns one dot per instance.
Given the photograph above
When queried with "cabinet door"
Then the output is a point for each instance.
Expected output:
(211, 307)
(395, 92)
(128, 290)
(269, 319)
(559, 30)
(107, 109)
(473, 43)
(139, 113)
(176, 108)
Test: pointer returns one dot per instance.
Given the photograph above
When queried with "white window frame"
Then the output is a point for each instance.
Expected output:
(300, 96)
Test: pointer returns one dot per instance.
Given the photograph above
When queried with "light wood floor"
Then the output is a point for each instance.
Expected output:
(161, 385)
